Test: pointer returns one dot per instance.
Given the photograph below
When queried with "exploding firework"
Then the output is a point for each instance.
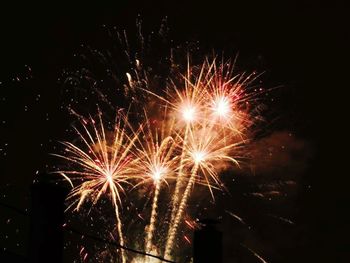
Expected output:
(157, 164)
(229, 97)
(207, 151)
(213, 108)
(186, 105)
(103, 166)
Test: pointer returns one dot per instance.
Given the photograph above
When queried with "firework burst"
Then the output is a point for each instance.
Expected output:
(229, 97)
(207, 151)
(103, 166)
(216, 125)
(186, 108)
(157, 164)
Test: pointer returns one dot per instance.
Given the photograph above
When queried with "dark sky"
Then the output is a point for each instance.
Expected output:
(300, 46)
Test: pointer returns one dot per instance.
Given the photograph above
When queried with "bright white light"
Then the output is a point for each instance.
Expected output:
(158, 173)
(188, 113)
(109, 177)
(199, 156)
(221, 106)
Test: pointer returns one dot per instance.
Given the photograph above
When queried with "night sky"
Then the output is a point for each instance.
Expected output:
(299, 46)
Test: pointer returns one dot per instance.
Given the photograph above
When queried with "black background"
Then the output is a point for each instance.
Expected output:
(301, 45)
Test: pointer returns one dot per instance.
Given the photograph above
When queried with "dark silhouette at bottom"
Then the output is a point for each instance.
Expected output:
(47, 215)
(207, 243)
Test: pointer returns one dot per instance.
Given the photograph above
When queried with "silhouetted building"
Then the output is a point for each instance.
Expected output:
(207, 243)
(47, 215)
(8, 257)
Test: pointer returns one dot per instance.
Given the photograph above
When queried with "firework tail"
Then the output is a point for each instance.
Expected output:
(179, 180)
(119, 227)
(180, 211)
(154, 212)
(151, 227)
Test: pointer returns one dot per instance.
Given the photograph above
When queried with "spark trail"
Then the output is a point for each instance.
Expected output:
(157, 163)
(205, 150)
(170, 241)
(153, 219)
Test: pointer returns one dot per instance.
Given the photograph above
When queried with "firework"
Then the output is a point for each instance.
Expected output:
(157, 163)
(210, 107)
(200, 133)
(187, 109)
(228, 98)
(206, 151)
(102, 167)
